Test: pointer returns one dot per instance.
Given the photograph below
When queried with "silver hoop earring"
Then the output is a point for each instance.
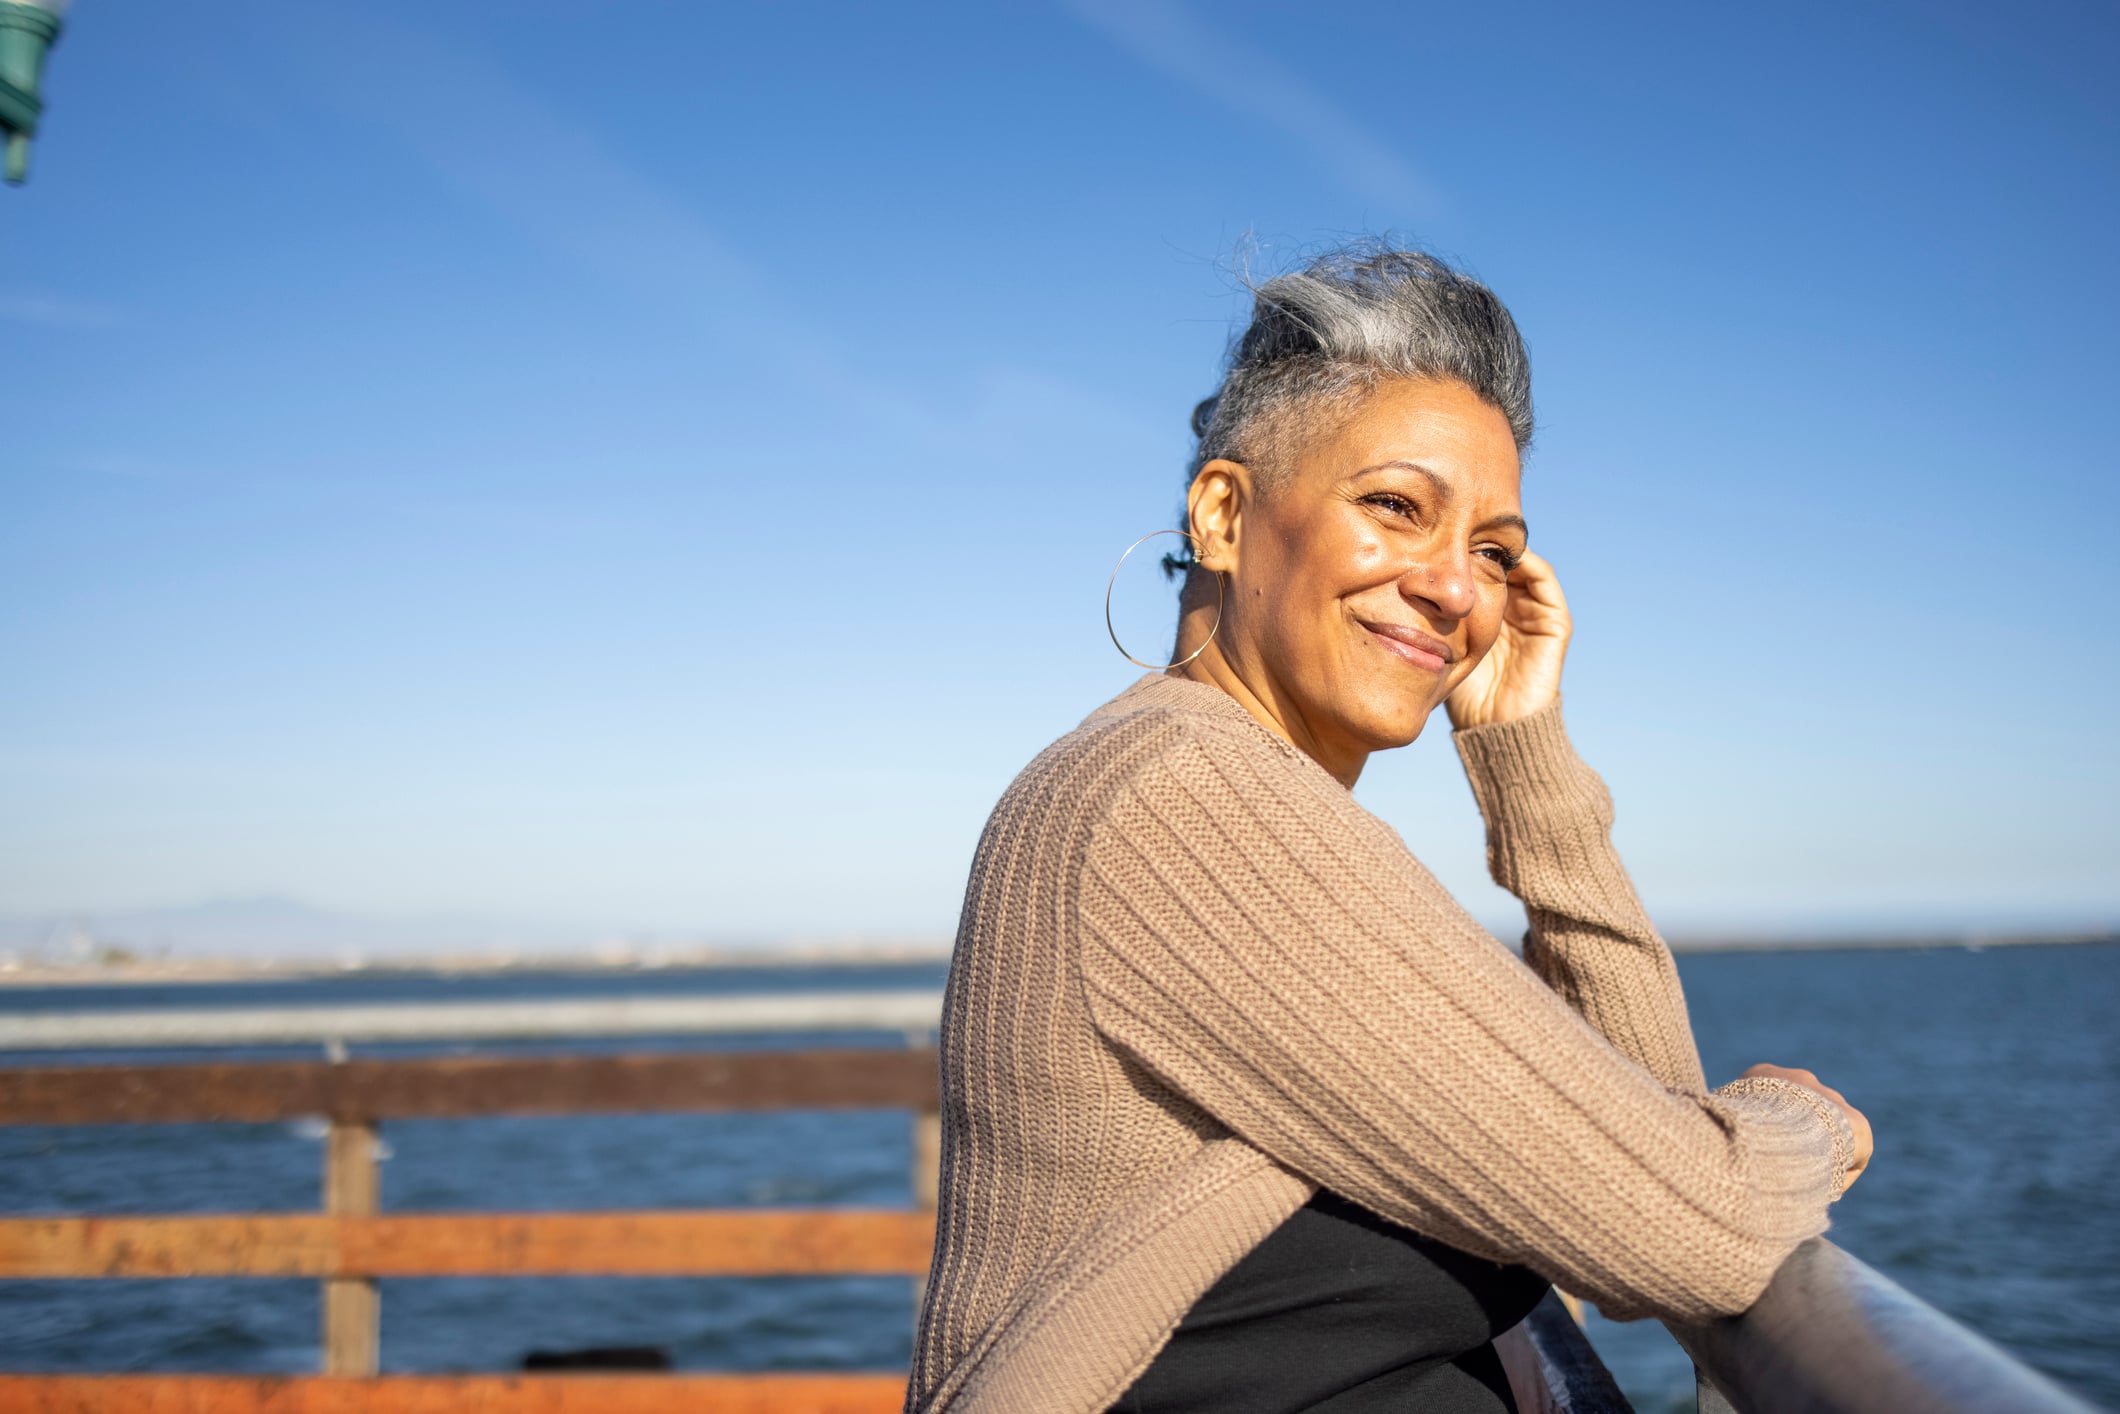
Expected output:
(1219, 592)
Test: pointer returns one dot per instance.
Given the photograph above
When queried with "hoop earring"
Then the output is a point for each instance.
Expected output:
(1108, 584)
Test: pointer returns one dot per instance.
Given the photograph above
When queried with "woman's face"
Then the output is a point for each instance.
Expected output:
(1368, 579)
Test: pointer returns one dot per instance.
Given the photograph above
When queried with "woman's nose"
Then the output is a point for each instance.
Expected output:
(1442, 580)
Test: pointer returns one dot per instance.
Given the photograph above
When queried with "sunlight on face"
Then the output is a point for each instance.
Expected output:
(1370, 579)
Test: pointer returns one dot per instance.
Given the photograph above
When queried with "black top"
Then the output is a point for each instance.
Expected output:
(1340, 1310)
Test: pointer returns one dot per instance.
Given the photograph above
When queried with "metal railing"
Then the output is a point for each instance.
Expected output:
(1832, 1335)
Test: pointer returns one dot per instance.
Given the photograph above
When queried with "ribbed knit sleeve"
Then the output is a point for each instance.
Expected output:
(1549, 842)
(1272, 953)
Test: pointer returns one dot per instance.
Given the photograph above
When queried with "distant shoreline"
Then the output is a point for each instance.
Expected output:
(1964, 942)
(30, 973)
(135, 971)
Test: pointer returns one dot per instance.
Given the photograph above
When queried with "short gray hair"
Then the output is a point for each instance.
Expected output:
(1322, 337)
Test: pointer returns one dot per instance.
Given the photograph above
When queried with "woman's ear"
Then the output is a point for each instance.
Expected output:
(1214, 509)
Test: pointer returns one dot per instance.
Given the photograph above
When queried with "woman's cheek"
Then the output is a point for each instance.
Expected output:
(1486, 623)
(1464, 668)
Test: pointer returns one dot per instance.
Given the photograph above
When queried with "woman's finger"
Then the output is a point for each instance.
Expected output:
(1534, 576)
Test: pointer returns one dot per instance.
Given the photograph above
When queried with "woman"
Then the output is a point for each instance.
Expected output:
(1240, 1110)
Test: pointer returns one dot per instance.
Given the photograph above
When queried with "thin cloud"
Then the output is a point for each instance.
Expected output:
(55, 312)
(555, 184)
(120, 465)
(552, 182)
(1166, 36)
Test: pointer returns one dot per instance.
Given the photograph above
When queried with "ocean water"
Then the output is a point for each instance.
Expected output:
(1992, 1078)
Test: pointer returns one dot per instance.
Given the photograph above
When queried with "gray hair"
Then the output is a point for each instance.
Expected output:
(1322, 337)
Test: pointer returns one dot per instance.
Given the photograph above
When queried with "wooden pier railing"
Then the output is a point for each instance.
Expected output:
(348, 1244)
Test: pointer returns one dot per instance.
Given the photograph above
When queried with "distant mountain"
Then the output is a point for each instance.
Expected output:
(260, 928)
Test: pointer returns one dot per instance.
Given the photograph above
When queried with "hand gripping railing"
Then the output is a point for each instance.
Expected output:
(1832, 1336)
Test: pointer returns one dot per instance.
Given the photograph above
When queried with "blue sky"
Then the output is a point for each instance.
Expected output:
(656, 466)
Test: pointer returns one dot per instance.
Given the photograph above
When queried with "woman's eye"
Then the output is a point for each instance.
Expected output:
(1507, 559)
(1386, 501)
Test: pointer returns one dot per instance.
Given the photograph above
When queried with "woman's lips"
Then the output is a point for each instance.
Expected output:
(1420, 649)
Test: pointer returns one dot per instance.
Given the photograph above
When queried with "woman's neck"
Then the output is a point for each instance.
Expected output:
(1272, 710)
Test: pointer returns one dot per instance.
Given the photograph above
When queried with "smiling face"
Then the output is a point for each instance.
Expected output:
(1368, 578)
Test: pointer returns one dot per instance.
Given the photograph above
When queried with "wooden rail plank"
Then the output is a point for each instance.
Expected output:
(452, 1394)
(900, 1011)
(453, 1087)
(766, 1242)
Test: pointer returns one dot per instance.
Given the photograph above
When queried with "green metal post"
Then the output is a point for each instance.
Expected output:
(27, 33)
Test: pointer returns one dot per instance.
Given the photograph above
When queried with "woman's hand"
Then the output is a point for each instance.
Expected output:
(1861, 1126)
(1522, 672)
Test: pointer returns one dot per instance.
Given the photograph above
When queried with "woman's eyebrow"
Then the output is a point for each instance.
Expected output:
(1441, 484)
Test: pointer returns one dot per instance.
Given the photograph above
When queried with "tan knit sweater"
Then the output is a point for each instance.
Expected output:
(1194, 981)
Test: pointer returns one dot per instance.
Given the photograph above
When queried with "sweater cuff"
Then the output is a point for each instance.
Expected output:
(1526, 776)
(1829, 1114)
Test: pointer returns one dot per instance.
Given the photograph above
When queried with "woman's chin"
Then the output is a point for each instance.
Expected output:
(1384, 721)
